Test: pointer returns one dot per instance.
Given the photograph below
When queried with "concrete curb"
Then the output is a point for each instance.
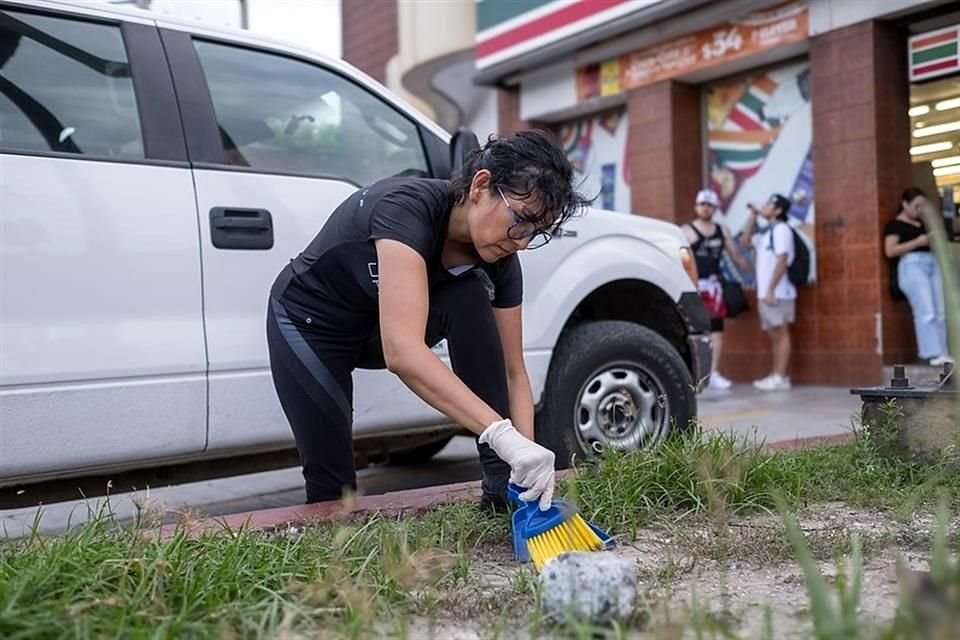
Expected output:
(408, 502)
(815, 441)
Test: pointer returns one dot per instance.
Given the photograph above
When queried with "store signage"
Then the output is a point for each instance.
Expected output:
(935, 53)
(721, 43)
(508, 29)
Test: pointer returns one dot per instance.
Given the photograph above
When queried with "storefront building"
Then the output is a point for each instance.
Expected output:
(839, 105)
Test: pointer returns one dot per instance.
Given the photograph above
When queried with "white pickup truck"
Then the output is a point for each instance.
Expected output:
(156, 175)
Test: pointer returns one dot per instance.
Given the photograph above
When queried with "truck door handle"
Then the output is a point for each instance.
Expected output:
(241, 223)
(234, 228)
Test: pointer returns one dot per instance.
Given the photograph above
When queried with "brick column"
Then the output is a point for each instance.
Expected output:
(894, 175)
(861, 140)
(665, 149)
(370, 35)
(508, 111)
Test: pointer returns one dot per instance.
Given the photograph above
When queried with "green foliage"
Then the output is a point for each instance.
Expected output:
(689, 474)
(371, 577)
(101, 579)
(719, 474)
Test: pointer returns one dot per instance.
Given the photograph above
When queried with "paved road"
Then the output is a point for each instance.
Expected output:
(803, 412)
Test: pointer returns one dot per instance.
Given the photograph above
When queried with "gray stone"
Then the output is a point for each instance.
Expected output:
(597, 587)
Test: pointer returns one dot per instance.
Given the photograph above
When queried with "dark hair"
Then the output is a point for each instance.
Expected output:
(908, 195)
(783, 204)
(526, 164)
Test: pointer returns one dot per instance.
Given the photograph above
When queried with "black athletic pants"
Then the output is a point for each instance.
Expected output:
(312, 376)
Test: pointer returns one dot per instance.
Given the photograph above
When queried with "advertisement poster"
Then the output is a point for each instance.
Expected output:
(597, 148)
(761, 30)
(758, 143)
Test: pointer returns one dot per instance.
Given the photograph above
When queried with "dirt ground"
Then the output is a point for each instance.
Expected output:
(729, 574)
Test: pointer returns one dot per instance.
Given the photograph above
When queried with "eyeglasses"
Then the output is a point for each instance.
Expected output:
(521, 229)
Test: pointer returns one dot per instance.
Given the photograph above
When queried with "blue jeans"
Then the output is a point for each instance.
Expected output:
(919, 278)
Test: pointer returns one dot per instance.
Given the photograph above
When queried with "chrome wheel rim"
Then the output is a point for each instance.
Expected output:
(622, 406)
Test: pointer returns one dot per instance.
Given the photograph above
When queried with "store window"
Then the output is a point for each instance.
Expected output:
(759, 134)
(597, 145)
(935, 140)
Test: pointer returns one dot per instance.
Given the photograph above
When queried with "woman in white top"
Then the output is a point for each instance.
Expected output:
(776, 295)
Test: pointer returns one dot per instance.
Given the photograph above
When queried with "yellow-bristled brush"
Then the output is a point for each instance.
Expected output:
(539, 535)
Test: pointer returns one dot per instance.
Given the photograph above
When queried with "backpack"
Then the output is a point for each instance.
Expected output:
(895, 291)
(798, 271)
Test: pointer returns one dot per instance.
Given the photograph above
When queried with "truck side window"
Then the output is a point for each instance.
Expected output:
(278, 114)
(65, 86)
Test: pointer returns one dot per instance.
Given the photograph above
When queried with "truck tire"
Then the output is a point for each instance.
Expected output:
(613, 384)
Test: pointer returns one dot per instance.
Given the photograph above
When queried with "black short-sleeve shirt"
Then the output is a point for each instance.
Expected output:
(338, 271)
(905, 232)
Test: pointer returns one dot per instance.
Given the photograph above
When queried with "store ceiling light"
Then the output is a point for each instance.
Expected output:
(935, 129)
(930, 148)
(944, 105)
(922, 110)
(947, 171)
(946, 162)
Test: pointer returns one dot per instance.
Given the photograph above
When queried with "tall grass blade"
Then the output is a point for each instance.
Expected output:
(826, 622)
(940, 560)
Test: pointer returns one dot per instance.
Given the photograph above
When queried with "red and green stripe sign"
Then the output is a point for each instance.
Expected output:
(935, 53)
(510, 28)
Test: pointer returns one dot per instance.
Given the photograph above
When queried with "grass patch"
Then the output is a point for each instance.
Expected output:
(857, 474)
(686, 475)
(102, 580)
(387, 577)
(718, 475)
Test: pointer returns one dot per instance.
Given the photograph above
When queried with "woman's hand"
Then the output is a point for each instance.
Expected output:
(531, 466)
(893, 248)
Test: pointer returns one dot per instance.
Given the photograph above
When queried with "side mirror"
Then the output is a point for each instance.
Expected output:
(463, 142)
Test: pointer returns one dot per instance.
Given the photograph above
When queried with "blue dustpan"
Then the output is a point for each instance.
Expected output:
(529, 521)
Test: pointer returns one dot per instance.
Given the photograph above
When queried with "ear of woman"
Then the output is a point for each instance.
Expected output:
(479, 185)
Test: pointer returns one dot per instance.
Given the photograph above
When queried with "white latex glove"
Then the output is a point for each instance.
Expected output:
(531, 466)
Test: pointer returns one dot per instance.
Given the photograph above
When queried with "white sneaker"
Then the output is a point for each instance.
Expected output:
(939, 361)
(773, 382)
(718, 382)
(763, 381)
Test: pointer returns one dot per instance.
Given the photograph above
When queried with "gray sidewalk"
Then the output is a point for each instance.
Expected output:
(803, 412)
(771, 417)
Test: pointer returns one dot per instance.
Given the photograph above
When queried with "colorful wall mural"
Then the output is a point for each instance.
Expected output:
(759, 132)
(597, 148)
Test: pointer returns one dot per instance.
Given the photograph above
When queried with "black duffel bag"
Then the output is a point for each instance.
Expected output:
(734, 298)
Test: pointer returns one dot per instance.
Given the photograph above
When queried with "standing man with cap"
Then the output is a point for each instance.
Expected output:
(776, 295)
(708, 240)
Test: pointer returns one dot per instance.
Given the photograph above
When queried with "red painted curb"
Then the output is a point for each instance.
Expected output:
(409, 502)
